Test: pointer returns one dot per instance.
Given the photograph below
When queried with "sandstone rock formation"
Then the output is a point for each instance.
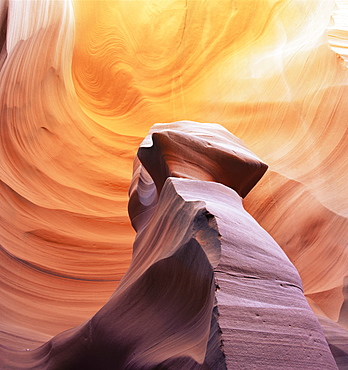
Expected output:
(207, 286)
(82, 82)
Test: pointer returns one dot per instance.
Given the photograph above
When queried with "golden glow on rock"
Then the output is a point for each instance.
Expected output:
(81, 83)
(338, 31)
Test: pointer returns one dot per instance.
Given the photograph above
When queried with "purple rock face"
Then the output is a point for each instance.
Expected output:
(207, 286)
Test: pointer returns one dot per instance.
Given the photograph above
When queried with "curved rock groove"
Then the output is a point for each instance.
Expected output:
(207, 286)
(82, 82)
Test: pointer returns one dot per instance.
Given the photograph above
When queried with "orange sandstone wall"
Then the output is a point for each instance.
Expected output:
(81, 83)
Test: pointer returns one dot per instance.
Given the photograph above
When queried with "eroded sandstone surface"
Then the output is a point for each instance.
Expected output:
(81, 84)
(207, 286)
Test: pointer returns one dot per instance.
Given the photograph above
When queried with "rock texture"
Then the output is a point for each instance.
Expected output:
(81, 83)
(207, 286)
(338, 32)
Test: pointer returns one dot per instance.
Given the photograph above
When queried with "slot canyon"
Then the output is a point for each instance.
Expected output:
(174, 184)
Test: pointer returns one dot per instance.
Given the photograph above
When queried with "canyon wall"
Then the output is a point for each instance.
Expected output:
(207, 286)
(82, 82)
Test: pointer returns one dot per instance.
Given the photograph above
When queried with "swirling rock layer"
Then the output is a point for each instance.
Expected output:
(207, 286)
(82, 82)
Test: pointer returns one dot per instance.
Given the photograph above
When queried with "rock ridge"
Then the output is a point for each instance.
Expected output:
(207, 287)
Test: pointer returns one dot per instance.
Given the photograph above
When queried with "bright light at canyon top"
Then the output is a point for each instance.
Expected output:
(168, 60)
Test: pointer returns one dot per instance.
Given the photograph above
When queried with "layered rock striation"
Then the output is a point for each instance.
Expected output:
(207, 286)
(82, 82)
